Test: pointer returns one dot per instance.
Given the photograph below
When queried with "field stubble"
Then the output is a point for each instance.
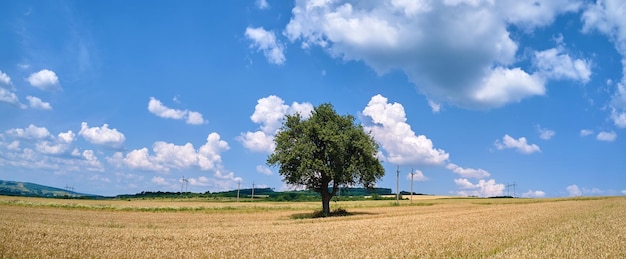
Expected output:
(501, 228)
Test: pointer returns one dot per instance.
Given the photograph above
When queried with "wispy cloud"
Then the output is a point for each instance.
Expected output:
(608, 136)
(545, 134)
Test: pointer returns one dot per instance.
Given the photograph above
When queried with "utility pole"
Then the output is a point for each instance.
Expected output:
(412, 172)
(398, 185)
(238, 187)
(252, 197)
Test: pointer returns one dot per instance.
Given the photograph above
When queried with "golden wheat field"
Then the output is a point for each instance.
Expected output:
(427, 228)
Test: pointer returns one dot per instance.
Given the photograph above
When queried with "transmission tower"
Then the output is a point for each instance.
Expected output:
(252, 196)
(238, 187)
(398, 185)
(184, 184)
(508, 189)
(412, 173)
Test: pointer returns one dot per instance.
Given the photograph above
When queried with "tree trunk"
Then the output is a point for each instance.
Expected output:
(326, 203)
(326, 196)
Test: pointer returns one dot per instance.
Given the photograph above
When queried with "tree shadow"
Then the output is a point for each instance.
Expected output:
(335, 213)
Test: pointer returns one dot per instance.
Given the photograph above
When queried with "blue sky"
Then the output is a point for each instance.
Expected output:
(112, 97)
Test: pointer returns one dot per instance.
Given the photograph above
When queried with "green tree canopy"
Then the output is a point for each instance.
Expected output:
(324, 152)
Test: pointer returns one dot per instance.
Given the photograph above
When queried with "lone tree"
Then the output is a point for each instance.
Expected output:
(325, 149)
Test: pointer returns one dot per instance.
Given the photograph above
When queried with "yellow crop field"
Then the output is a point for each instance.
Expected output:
(427, 228)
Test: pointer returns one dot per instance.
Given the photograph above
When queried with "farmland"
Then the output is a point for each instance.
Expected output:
(429, 227)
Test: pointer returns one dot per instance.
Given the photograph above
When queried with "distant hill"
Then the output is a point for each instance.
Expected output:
(35, 190)
(11, 188)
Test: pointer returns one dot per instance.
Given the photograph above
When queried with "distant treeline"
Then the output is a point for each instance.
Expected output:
(267, 194)
(11, 188)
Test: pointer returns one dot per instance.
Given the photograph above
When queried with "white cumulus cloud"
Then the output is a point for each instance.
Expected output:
(30, 132)
(608, 136)
(468, 172)
(521, 145)
(102, 135)
(200, 181)
(399, 141)
(174, 156)
(304, 109)
(266, 42)
(141, 159)
(10, 97)
(195, 118)
(37, 103)
(90, 159)
(554, 63)
(6, 91)
(47, 152)
(502, 86)
(167, 156)
(607, 17)
(44, 80)
(533, 194)
(4, 79)
(258, 141)
(13, 146)
(58, 145)
(573, 190)
(67, 137)
(483, 188)
(459, 52)
(227, 176)
(159, 181)
(209, 153)
(264, 170)
(157, 108)
(270, 113)
(47, 147)
(44, 142)
(418, 176)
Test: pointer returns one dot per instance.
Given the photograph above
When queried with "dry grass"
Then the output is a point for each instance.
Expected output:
(507, 228)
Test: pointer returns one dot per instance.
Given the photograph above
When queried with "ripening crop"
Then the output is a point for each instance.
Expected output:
(435, 228)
